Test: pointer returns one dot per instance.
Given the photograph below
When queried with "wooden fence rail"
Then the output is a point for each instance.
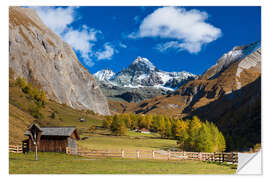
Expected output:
(229, 157)
(15, 148)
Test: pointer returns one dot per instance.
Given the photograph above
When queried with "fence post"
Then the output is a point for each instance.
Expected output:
(153, 154)
(107, 153)
(67, 150)
(122, 153)
(221, 157)
(138, 154)
(17, 149)
(169, 155)
(234, 157)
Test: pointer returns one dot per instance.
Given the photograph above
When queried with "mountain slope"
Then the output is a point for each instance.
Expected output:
(42, 58)
(199, 92)
(236, 54)
(231, 99)
(21, 106)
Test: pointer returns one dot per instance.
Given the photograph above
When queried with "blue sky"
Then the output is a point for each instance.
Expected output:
(172, 38)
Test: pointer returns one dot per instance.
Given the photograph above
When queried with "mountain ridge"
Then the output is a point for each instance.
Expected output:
(141, 72)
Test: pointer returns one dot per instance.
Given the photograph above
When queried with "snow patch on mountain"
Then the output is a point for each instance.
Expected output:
(104, 75)
(236, 54)
(144, 62)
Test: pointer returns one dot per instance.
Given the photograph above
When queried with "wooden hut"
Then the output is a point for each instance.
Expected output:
(52, 139)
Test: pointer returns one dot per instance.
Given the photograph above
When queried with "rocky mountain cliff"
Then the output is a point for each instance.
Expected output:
(236, 54)
(140, 80)
(142, 73)
(41, 57)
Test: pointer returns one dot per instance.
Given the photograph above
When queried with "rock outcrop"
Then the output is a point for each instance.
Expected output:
(41, 57)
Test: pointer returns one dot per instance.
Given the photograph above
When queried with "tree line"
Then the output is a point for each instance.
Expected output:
(191, 134)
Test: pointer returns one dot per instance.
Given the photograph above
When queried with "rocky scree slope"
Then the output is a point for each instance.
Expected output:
(41, 57)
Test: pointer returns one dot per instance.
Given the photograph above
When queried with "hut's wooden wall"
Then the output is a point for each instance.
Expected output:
(50, 144)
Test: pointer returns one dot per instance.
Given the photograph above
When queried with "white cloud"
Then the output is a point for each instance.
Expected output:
(188, 29)
(107, 53)
(179, 46)
(57, 19)
(122, 45)
(82, 39)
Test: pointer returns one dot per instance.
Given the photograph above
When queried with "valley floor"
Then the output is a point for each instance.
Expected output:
(58, 163)
(102, 140)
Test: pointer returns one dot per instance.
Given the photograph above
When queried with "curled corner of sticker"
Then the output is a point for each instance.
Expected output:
(249, 163)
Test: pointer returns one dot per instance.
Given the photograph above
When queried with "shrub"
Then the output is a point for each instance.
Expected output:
(257, 147)
(21, 82)
(52, 115)
(27, 89)
(92, 129)
(90, 112)
(35, 111)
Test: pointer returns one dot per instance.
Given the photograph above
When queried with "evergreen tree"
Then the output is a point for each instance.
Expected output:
(142, 121)
(221, 142)
(162, 126)
(194, 127)
(134, 121)
(181, 134)
(148, 119)
(107, 121)
(118, 126)
(168, 128)
(155, 122)
(203, 141)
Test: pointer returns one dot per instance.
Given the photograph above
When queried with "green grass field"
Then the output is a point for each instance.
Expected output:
(57, 163)
(102, 139)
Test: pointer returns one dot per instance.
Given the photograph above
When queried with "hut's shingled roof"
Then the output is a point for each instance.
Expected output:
(55, 131)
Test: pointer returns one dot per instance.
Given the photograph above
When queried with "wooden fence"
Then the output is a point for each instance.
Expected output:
(15, 148)
(229, 157)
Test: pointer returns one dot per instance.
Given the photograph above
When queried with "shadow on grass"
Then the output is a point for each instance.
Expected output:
(232, 166)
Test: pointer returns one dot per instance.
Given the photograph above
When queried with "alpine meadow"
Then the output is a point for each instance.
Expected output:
(133, 90)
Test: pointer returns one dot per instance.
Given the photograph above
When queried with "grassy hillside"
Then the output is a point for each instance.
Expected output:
(53, 114)
(49, 163)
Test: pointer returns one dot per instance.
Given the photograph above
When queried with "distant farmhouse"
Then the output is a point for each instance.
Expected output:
(52, 139)
(145, 131)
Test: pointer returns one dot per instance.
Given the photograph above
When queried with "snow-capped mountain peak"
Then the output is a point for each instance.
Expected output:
(141, 63)
(142, 73)
(104, 75)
